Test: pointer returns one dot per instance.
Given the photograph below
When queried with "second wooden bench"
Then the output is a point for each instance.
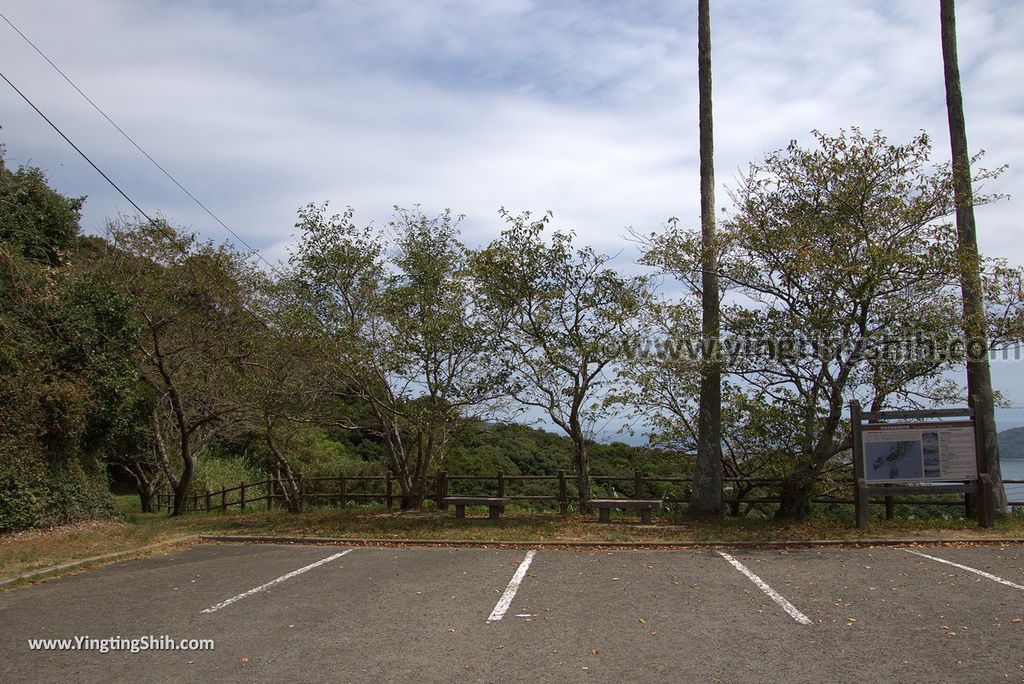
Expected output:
(645, 506)
(496, 504)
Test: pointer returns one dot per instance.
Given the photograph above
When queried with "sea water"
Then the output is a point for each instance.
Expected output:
(1013, 470)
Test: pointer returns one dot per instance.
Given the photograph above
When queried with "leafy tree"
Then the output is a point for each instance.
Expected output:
(66, 367)
(833, 252)
(35, 221)
(192, 303)
(131, 450)
(563, 318)
(283, 390)
(406, 349)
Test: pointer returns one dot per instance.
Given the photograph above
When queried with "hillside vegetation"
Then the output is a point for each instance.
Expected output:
(1011, 444)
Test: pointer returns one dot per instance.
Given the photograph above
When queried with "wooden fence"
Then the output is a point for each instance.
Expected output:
(552, 491)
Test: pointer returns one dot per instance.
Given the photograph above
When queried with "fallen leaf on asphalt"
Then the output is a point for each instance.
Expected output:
(1017, 620)
(245, 661)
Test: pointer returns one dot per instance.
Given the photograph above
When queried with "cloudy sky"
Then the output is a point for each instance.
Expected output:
(585, 108)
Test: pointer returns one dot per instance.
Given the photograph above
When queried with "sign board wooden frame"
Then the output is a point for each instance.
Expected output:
(911, 452)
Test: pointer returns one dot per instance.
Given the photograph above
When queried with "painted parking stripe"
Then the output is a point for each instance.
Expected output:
(984, 574)
(282, 578)
(772, 594)
(510, 591)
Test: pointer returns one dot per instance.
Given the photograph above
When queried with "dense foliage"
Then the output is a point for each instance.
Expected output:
(155, 358)
(66, 360)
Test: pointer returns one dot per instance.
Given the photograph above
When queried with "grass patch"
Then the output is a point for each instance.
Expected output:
(26, 551)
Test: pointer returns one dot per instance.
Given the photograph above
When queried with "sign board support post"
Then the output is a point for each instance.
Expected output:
(860, 489)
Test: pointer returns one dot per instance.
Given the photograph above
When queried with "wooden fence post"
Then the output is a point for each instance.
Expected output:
(241, 495)
(442, 490)
(563, 493)
(195, 502)
(638, 479)
(969, 500)
(343, 491)
(501, 483)
(302, 493)
(207, 500)
(388, 491)
(985, 505)
(270, 492)
(224, 499)
(889, 507)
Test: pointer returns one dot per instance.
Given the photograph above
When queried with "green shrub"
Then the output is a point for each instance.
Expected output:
(221, 472)
(33, 494)
(314, 454)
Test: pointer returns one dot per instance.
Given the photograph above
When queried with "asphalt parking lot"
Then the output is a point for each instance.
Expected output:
(311, 613)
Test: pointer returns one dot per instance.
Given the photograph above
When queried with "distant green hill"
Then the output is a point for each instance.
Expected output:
(1011, 444)
(515, 449)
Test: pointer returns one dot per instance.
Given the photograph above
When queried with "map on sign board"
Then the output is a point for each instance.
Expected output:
(919, 452)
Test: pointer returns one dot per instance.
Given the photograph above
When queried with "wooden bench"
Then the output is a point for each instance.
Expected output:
(496, 504)
(645, 506)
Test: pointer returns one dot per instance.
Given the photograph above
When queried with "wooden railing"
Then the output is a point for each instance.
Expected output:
(557, 490)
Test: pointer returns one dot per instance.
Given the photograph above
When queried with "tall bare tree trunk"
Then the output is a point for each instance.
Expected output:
(288, 480)
(979, 377)
(581, 461)
(707, 476)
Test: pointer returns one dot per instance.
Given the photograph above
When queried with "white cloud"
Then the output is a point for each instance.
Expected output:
(588, 109)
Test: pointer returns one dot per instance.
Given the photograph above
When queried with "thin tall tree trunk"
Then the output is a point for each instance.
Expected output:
(582, 459)
(289, 483)
(707, 476)
(188, 472)
(979, 377)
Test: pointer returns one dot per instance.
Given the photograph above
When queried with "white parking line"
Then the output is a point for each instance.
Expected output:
(282, 578)
(510, 591)
(772, 594)
(984, 574)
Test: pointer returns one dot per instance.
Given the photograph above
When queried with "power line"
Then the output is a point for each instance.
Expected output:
(77, 149)
(127, 137)
(168, 233)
